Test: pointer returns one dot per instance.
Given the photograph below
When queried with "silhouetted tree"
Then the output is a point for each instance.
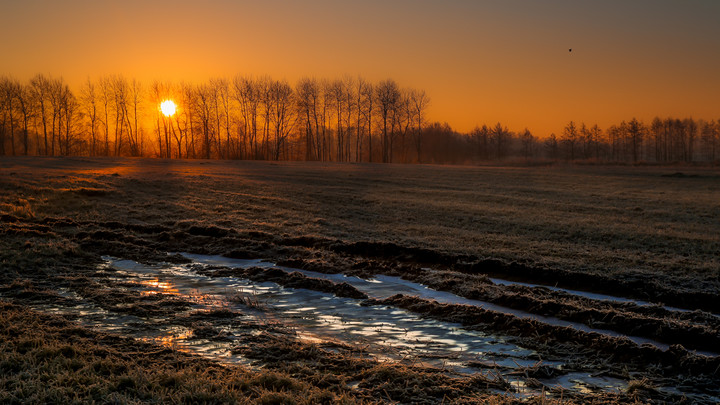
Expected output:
(635, 131)
(362, 121)
(105, 84)
(24, 105)
(280, 107)
(595, 139)
(247, 95)
(500, 137)
(336, 91)
(9, 93)
(420, 102)
(89, 104)
(552, 147)
(307, 91)
(481, 138)
(388, 96)
(203, 112)
(569, 140)
(67, 121)
(691, 131)
(186, 131)
(339, 120)
(527, 140)
(367, 107)
(711, 138)
(5, 110)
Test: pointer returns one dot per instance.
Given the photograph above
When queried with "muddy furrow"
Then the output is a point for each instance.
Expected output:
(108, 236)
(674, 360)
(696, 330)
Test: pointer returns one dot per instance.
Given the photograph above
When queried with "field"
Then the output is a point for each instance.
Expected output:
(140, 280)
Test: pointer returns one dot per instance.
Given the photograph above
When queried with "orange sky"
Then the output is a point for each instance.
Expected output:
(479, 61)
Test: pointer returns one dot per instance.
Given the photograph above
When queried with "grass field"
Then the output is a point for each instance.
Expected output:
(648, 233)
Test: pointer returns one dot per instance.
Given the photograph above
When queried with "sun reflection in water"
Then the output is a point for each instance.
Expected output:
(172, 339)
(155, 286)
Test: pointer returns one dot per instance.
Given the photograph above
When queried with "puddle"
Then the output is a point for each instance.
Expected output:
(385, 332)
(382, 332)
(383, 286)
(148, 329)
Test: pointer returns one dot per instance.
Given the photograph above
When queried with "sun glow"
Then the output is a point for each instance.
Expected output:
(168, 108)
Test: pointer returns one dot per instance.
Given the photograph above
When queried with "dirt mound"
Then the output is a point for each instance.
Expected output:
(289, 280)
(675, 360)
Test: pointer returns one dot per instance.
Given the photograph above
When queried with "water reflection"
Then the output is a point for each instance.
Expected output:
(385, 331)
(155, 286)
(382, 332)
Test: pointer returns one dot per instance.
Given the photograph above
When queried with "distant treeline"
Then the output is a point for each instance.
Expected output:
(346, 120)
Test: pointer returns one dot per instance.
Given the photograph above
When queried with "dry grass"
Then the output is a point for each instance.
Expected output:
(585, 218)
(46, 359)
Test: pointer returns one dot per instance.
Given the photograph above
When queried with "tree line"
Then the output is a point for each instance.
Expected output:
(344, 120)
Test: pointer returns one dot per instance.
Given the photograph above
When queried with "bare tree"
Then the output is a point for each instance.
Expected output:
(40, 86)
(247, 95)
(324, 143)
(120, 98)
(570, 135)
(691, 131)
(388, 96)
(366, 105)
(336, 92)
(106, 101)
(359, 121)
(552, 146)
(204, 114)
(500, 136)
(135, 101)
(527, 140)
(223, 87)
(24, 103)
(595, 135)
(420, 102)
(350, 108)
(186, 117)
(90, 106)
(68, 117)
(308, 95)
(403, 119)
(280, 107)
(9, 89)
(711, 139)
(481, 138)
(56, 93)
(157, 95)
(5, 110)
(219, 93)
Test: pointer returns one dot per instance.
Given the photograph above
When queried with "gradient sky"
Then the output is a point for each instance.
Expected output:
(479, 61)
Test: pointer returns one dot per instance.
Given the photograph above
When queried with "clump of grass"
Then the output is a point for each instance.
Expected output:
(20, 209)
(204, 330)
(248, 300)
(88, 191)
(638, 387)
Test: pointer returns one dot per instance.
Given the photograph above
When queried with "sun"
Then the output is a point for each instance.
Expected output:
(168, 108)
